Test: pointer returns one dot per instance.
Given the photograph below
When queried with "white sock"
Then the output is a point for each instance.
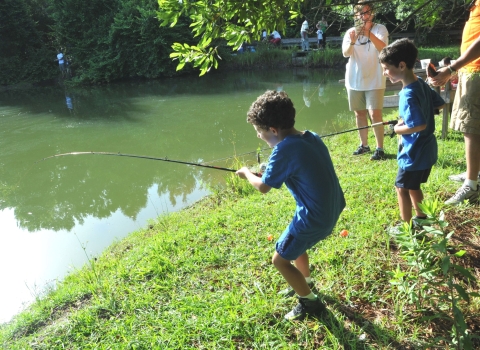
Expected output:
(471, 183)
(308, 279)
(310, 296)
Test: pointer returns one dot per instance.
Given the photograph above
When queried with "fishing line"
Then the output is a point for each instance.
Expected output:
(390, 122)
(236, 155)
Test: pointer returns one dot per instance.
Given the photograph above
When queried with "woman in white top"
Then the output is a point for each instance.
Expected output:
(364, 78)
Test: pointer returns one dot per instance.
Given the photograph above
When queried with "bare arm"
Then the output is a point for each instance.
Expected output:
(254, 180)
(402, 129)
(444, 74)
(347, 45)
(378, 43)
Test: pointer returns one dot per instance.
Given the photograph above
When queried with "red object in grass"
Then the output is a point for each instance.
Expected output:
(344, 233)
(269, 237)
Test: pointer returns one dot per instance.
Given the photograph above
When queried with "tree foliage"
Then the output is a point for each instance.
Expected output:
(24, 51)
(233, 22)
(113, 39)
(105, 40)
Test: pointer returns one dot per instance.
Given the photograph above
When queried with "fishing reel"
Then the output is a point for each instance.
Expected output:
(391, 128)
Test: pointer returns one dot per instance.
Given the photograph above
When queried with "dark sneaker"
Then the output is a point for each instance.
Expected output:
(464, 193)
(361, 150)
(289, 292)
(306, 307)
(417, 222)
(378, 155)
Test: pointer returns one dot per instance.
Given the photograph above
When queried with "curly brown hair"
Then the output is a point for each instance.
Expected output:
(272, 109)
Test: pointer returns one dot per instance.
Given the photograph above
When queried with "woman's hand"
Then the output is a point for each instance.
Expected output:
(353, 36)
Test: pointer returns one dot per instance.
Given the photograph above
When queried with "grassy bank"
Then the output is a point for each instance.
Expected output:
(202, 278)
(268, 56)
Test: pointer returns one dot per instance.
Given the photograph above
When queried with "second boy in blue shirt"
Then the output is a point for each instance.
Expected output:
(418, 148)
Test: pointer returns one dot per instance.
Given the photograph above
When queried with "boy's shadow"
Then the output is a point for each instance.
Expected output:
(346, 337)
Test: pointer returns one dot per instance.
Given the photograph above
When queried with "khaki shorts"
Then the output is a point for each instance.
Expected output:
(361, 100)
(466, 105)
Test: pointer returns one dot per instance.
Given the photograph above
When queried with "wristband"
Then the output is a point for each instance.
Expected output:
(453, 71)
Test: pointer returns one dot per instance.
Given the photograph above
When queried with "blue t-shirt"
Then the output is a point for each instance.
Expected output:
(303, 163)
(416, 104)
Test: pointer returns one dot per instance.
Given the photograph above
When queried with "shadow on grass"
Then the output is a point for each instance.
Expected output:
(375, 335)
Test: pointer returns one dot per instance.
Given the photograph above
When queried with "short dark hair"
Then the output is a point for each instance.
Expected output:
(272, 109)
(401, 50)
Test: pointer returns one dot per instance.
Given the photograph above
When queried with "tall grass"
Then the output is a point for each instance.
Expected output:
(268, 56)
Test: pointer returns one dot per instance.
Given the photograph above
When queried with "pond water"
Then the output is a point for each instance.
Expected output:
(55, 212)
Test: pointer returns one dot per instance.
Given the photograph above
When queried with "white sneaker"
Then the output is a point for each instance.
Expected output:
(460, 177)
(464, 193)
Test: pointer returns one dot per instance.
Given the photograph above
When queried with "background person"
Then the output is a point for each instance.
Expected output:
(418, 151)
(276, 38)
(304, 35)
(301, 161)
(264, 35)
(466, 105)
(364, 78)
(319, 39)
(322, 25)
(61, 62)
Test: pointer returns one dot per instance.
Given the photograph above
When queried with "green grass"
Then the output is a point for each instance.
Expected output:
(268, 56)
(202, 278)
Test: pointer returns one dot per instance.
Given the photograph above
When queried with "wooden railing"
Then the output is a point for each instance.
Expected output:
(297, 42)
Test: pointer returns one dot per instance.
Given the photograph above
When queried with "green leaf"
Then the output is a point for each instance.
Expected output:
(180, 65)
(460, 253)
(462, 292)
(464, 272)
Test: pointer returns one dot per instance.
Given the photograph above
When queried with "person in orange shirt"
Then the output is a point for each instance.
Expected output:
(466, 106)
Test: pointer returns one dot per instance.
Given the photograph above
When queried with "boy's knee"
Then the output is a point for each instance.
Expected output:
(275, 259)
(278, 261)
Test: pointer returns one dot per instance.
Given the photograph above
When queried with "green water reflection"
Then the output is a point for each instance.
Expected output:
(194, 120)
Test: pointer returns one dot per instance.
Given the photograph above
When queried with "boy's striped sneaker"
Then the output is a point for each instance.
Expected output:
(306, 307)
(464, 193)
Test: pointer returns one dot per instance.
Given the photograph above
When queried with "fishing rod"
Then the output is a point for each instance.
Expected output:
(390, 122)
(165, 159)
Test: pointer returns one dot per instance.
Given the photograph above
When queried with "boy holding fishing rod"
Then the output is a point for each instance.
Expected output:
(417, 151)
(301, 160)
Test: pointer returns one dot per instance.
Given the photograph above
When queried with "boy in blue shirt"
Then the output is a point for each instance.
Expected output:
(418, 150)
(301, 160)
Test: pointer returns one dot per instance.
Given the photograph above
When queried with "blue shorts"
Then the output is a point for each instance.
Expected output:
(290, 247)
(411, 180)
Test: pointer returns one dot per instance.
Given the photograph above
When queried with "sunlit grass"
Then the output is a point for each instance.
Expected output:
(202, 278)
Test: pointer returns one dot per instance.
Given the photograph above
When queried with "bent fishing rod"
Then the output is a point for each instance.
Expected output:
(165, 159)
